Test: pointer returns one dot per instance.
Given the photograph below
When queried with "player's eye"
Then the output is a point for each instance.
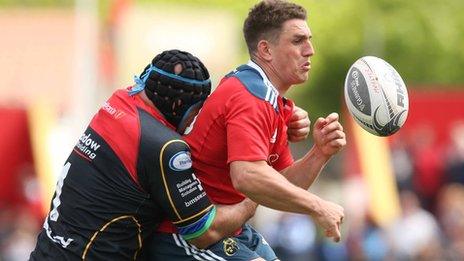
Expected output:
(298, 40)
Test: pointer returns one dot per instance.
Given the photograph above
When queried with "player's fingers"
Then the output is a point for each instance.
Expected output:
(334, 135)
(334, 233)
(332, 117)
(320, 123)
(338, 143)
(303, 132)
(298, 114)
(337, 235)
(328, 233)
(331, 126)
(329, 138)
(302, 123)
(297, 138)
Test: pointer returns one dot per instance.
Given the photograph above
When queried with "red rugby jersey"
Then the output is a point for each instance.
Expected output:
(244, 119)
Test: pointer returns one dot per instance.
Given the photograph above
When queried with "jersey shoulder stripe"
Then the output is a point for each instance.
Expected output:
(254, 83)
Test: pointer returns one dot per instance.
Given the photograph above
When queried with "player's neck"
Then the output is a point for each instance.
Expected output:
(272, 75)
(147, 101)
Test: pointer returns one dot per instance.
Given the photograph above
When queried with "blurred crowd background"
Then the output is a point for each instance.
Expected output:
(403, 195)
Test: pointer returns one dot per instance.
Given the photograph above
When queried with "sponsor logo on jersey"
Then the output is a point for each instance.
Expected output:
(191, 190)
(180, 161)
(87, 147)
(230, 246)
(273, 158)
(187, 186)
(115, 113)
(195, 199)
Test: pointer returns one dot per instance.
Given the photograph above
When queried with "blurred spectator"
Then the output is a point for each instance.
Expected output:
(451, 218)
(428, 166)
(296, 237)
(292, 236)
(6, 228)
(402, 162)
(454, 171)
(374, 242)
(366, 240)
(328, 250)
(19, 240)
(415, 232)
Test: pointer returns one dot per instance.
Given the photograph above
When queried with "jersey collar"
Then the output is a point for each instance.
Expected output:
(263, 75)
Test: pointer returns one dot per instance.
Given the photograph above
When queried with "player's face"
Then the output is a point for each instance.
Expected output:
(291, 53)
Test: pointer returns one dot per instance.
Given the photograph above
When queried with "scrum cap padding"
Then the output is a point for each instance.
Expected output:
(174, 81)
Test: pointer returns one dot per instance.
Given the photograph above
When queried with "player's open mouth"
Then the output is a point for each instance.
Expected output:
(306, 66)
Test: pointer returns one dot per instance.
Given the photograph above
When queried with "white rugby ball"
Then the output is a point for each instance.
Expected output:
(376, 96)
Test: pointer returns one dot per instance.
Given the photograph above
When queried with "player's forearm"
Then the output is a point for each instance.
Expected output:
(305, 171)
(229, 218)
(267, 187)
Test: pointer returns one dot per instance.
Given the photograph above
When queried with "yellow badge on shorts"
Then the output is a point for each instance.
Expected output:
(230, 246)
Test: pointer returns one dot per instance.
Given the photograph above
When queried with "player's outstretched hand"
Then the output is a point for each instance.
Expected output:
(298, 125)
(330, 217)
(328, 135)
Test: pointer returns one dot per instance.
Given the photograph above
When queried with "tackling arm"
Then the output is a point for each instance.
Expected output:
(229, 218)
(183, 200)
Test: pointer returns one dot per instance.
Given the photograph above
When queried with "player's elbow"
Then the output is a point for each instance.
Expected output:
(237, 176)
(240, 175)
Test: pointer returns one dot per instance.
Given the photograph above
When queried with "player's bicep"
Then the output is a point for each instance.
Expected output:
(181, 194)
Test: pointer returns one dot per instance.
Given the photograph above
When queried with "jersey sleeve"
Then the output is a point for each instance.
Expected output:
(285, 159)
(249, 127)
(181, 194)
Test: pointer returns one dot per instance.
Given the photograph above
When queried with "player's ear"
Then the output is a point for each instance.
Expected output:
(264, 50)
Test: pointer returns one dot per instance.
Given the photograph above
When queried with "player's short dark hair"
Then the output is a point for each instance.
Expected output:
(266, 18)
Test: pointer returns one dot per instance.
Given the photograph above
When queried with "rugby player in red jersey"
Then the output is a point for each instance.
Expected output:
(239, 140)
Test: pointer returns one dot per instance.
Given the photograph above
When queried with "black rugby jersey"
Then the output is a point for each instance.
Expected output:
(127, 172)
